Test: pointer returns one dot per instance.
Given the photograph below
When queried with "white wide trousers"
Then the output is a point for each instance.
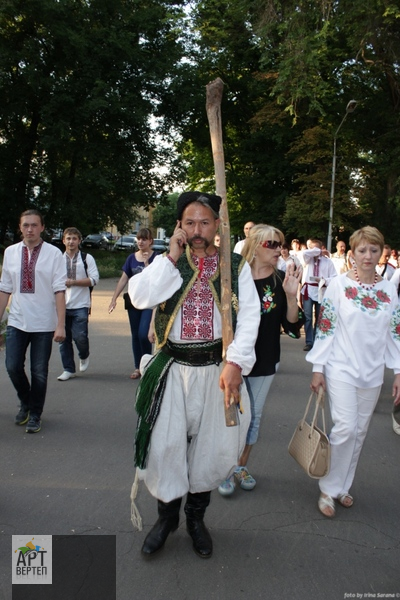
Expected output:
(351, 411)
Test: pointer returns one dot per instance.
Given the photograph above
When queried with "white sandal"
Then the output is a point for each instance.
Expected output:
(325, 502)
(342, 500)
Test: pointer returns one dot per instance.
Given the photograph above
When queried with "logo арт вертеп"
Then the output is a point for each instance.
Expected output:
(32, 560)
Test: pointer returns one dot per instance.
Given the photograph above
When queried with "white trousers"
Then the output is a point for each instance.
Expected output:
(192, 449)
(351, 411)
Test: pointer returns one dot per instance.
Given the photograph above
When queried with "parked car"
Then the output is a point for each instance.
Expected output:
(159, 245)
(108, 235)
(126, 242)
(96, 240)
(58, 241)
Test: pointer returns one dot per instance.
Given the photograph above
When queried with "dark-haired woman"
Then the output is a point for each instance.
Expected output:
(139, 320)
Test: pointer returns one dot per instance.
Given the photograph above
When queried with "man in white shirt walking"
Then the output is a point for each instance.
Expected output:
(82, 276)
(34, 273)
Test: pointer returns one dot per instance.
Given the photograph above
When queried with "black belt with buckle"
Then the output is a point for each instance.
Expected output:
(195, 355)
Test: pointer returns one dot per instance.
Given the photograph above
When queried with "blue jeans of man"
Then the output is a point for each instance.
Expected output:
(32, 395)
(139, 321)
(309, 306)
(76, 329)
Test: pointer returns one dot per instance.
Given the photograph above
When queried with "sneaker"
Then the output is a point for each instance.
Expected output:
(227, 487)
(396, 426)
(245, 480)
(83, 364)
(34, 425)
(22, 417)
(66, 375)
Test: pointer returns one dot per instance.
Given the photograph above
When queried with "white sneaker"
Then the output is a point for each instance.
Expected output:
(83, 364)
(396, 426)
(66, 375)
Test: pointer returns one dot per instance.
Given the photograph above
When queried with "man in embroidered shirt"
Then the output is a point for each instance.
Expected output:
(191, 448)
(384, 268)
(34, 273)
(82, 275)
(339, 258)
(317, 273)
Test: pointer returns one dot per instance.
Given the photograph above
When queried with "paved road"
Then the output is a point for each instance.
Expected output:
(74, 477)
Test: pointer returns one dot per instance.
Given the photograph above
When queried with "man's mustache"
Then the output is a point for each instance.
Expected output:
(198, 237)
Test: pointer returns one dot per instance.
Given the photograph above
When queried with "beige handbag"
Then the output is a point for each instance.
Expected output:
(309, 445)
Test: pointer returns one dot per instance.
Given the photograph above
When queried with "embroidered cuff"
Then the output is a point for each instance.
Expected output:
(230, 362)
(171, 259)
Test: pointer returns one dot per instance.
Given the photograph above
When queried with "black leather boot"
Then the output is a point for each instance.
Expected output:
(195, 509)
(168, 521)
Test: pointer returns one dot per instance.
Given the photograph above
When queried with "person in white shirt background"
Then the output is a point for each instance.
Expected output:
(318, 271)
(239, 245)
(81, 275)
(339, 258)
(384, 268)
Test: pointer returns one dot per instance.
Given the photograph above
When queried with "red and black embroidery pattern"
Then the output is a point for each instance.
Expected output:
(28, 266)
(198, 308)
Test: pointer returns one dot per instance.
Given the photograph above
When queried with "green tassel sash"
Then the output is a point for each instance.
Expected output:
(148, 403)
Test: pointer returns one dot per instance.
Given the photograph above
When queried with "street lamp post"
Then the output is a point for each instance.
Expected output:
(349, 109)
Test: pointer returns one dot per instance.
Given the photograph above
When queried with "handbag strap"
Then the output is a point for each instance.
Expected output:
(319, 403)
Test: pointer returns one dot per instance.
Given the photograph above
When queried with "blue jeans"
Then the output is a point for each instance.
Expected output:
(310, 325)
(139, 321)
(32, 395)
(76, 329)
(258, 388)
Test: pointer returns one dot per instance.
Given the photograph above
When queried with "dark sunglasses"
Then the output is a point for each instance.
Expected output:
(271, 245)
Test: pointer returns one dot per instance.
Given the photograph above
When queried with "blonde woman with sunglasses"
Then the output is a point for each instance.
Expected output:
(278, 307)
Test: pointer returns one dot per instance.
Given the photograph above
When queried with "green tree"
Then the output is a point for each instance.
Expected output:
(79, 83)
(290, 69)
(164, 214)
(324, 54)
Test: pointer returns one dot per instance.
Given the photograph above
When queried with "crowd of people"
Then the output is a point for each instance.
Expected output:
(184, 445)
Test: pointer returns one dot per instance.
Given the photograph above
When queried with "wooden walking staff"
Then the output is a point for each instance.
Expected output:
(213, 107)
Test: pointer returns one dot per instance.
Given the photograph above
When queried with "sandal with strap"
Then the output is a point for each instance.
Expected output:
(345, 500)
(135, 374)
(326, 502)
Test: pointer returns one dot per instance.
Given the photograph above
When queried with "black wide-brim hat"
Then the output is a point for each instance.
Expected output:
(187, 198)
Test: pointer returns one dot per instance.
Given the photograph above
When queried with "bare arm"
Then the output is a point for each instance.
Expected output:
(86, 282)
(59, 334)
(317, 380)
(291, 287)
(4, 298)
(396, 389)
(120, 286)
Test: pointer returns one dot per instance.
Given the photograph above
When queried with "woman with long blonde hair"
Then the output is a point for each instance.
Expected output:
(278, 306)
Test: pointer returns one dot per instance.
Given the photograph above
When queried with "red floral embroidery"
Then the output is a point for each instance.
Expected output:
(382, 296)
(324, 325)
(351, 292)
(198, 307)
(369, 302)
(28, 265)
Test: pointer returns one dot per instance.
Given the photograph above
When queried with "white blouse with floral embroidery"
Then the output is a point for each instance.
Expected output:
(358, 333)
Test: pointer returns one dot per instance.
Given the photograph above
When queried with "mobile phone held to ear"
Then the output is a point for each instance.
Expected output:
(180, 242)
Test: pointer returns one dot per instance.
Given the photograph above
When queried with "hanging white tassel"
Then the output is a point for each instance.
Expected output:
(135, 515)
